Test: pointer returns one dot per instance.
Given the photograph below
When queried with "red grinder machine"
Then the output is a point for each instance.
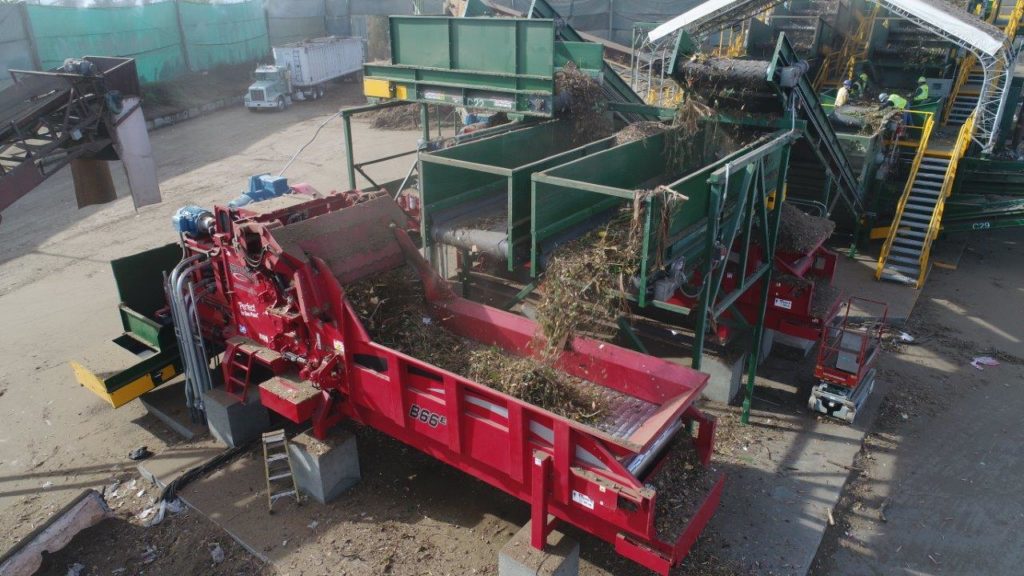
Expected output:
(265, 279)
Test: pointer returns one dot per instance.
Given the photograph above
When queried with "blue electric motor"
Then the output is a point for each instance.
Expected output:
(261, 187)
(193, 220)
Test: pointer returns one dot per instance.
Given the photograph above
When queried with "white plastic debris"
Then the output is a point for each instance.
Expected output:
(217, 554)
(174, 507)
(980, 361)
(907, 338)
(75, 569)
(146, 513)
(312, 525)
(149, 554)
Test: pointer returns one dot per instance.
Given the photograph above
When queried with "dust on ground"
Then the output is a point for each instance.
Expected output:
(183, 543)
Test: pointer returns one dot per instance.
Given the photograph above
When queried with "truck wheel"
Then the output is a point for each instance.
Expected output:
(280, 104)
(320, 91)
(315, 93)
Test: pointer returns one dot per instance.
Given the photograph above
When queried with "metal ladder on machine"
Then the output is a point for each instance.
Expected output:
(905, 254)
(278, 467)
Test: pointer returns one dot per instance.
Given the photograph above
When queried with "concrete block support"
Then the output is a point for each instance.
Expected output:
(726, 373)
(561, 557)
(799, 345)
(232, 421)
(325, 469)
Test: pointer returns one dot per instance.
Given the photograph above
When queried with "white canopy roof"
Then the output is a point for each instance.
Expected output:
(691, 16)
(964, 27)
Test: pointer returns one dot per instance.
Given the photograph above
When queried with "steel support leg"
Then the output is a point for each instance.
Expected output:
(425, 122)
(346, 124)
(539, 502)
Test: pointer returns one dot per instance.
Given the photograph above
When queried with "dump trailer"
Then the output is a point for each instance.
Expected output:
(301, 71)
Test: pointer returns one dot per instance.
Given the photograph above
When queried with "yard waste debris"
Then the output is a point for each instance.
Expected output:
(394, 311)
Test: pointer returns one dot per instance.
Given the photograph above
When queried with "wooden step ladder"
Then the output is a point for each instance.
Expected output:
(278, 466)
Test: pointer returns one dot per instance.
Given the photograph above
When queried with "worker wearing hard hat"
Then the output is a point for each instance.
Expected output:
(921, 94)
(860, 86)
(891, 101)
(843, 95)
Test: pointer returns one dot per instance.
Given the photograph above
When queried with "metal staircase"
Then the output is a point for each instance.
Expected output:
(905, 254)
(995, 56)
(967, 89)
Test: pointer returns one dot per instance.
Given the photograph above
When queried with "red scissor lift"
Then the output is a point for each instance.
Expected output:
(280, 267)
(847, 359)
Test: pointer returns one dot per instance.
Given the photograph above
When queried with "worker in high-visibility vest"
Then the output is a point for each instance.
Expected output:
(921, 94)
(860, 86)
(891, 101)
(843, 95)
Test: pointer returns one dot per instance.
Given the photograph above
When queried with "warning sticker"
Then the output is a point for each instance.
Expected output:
(784, 304)
(583, 499)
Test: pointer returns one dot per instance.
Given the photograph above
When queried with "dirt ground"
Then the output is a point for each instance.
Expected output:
(58, 299)
(410, 514)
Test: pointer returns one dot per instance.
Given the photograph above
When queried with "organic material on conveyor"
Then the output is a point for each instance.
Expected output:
(394, 312)
(639, 131)
(726, 82)
(588, 106)
(586, 281)
(800, 232)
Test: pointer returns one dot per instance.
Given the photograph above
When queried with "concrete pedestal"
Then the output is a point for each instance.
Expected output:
(798, 345)
(726, 372)
(561, 557)
(325, 469)
(232, 421)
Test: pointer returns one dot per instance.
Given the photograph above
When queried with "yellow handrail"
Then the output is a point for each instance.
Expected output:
(969, 61)
(1014, 22)
(963, 142)
(847, 53)
(926, 132)
(964, 72)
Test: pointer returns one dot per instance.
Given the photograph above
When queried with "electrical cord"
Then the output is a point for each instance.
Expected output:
(306, 145)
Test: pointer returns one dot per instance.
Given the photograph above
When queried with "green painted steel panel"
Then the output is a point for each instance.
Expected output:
(585, 55)
(497, 64)
(417, 41)
(483, 45)
(535, 47)
(502, 164)
(140, 285)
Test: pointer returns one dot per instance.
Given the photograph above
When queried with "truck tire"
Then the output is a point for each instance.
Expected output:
(320, 91)
(281, 105)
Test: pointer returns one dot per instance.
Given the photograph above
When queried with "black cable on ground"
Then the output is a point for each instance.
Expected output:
(170, 491)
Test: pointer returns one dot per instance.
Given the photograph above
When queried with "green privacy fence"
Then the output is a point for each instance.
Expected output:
(217, 34)
(166, 38)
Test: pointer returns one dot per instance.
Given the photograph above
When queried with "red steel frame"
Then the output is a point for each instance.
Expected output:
(789, 303)
(284, 290)
(867, 353)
